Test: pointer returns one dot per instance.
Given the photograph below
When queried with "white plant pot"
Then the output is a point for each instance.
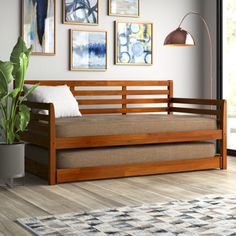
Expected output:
(12, 160)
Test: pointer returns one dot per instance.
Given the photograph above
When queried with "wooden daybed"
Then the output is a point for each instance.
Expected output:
(123, 98)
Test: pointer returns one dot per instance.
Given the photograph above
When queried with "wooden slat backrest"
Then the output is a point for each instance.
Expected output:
(120, 95)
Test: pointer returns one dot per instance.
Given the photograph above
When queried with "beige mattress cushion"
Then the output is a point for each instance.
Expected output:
(74, 158)
(130, 124)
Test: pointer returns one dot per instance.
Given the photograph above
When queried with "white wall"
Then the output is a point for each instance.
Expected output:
(183, 65)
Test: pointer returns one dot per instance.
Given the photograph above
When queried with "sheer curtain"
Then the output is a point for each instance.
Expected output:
(229, 77)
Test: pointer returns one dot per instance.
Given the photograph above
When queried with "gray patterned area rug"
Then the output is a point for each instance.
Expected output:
(208, 216)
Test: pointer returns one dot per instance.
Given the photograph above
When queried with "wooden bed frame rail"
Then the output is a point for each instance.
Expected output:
(129, 97)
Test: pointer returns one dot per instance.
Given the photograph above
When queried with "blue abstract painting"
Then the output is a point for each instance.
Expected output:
(39, 25)
(134, 43)
(80, 11)
(89, 50)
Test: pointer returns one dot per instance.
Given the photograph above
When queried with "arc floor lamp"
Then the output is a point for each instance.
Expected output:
(181, 37)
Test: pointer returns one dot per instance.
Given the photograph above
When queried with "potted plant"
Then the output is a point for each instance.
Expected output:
(14, 114)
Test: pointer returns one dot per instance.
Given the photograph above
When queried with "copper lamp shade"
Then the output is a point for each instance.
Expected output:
(179, 37)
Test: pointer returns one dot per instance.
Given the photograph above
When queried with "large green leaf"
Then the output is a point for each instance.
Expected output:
(21, 73)
(29, 91)
(6, 69)
(13, 93)
(19, 48)
(22, 118)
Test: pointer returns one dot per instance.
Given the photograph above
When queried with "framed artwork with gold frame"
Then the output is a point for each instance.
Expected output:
(133, 43)
(88, 50)
(128, 8)
(39, 26)
(80, 12)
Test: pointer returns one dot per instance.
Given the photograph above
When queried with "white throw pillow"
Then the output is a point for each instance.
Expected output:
(64, 102)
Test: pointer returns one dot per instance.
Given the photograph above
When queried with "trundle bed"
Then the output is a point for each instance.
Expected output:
(112, 140)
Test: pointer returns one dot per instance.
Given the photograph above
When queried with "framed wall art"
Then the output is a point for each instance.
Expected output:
(88, 50)
(133, 43)
(80, 12)
(129, 8)
(38, 26)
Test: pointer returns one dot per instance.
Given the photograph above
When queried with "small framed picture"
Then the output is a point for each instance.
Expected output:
(133, 43)
(85, 12)
(38, 26)
(129, 8)
(88, 50)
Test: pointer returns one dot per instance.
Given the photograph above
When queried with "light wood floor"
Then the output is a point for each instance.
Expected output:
(36, 198)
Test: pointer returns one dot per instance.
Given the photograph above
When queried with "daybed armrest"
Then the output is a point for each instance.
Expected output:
(41, 132)
(42, 126)
(216, 106)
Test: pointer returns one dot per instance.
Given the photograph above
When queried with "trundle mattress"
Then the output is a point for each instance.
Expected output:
(74, 158)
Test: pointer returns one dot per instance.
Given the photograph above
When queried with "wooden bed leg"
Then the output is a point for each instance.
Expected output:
(52, 166)
(52, 148)
(223, 142)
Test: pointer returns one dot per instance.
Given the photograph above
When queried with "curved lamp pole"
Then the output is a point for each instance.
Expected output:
(181, 37)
